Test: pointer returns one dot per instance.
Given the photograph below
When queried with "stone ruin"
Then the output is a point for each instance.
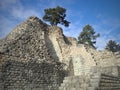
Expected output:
(25, 60)
(36, 56)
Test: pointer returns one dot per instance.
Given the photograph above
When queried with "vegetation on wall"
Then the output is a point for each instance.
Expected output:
(88, 36)
(113, 46)
(56, 16)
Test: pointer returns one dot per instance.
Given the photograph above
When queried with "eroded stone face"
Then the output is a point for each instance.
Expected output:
(25, 60)
(84, 57)
(27, 41)
(34, 41)
(18, 75)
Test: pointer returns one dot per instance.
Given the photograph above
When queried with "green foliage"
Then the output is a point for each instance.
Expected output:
(56, 16)
(112, 46)
(88, 36)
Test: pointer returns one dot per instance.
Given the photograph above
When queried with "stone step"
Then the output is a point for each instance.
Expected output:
(108, 76)
(94, 80)
(71, 88)
(103, 82)
(72, 77)
(91, 88)
(109, 81)
(63, 85)
(95, 77)
(94, 84)
(71, 83)
(108, 88)
(61, 88)
(109, 85)
(66, 80)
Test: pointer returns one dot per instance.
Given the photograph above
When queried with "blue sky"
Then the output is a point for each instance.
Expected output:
(102, 15)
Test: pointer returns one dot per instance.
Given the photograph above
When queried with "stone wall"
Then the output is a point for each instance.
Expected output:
(30, 76)
(104, 58)
(31, 57)
(66, 47)
(26, 62)
(84, 57)
(109, 70)
(26, 41)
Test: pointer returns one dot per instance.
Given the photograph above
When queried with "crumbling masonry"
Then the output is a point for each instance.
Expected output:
(36, 56)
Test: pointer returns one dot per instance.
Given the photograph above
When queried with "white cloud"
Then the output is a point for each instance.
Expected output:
(106, 27)
(6, 25)
(99, 15)
(5, 3)
(103, 40)
(22, 13)
(73, 30)
(101, 43)
(16, 12)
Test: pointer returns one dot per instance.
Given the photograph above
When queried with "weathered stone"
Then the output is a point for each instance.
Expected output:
(31, 58)
(25, 62)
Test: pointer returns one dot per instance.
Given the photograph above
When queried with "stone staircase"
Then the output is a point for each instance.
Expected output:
(95, 81)
(118, 71)
(71, 83)
(109, 83)
(87, 82)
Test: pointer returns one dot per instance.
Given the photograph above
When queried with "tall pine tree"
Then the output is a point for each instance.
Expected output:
(112, 46)
(56, 16)
(88, 36)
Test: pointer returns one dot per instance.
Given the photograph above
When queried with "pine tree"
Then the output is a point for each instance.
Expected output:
(88, 36)
(112, 46)
(56, 16)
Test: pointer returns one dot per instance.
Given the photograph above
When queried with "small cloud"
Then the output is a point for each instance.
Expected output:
(6, 25)
(5, 3)
(100, 43)
(73, 30)
(99, 15)
(23, 14)
(16, 11)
